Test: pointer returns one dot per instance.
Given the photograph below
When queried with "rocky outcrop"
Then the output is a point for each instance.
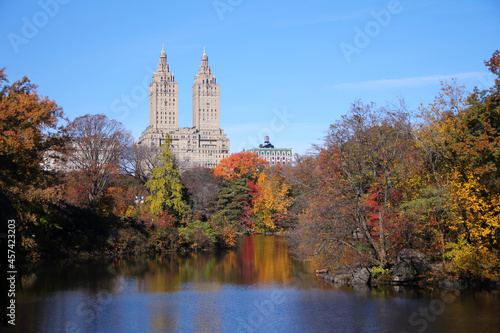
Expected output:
(358, 276)
(325, 275)
(341, 277)
(361, 276)
(409, 267)
(407, 254)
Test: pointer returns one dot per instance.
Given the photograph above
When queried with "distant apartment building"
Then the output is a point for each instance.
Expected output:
(205, 143)
(54, 161)
(273, 155)
(82, 155)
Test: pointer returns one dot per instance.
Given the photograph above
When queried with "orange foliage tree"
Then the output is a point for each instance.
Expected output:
(28, 128)
(246, 165)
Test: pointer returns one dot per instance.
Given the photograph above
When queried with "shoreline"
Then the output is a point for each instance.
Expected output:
(358, 277)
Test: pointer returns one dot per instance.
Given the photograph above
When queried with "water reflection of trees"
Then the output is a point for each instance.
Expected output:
(258, 260)
(193, 292)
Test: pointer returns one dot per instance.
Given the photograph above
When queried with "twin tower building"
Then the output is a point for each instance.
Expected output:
(202, 145)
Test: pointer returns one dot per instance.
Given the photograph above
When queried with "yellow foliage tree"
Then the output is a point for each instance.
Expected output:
(274, 199)
(459, 138)
(475, 221)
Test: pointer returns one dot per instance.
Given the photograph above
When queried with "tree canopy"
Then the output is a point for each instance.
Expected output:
(97, 148)
(29, 127)
(246, 165)
(165, 186)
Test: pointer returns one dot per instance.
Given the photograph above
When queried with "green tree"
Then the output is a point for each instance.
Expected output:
(234, 203)
(237, 192)
(165, 186)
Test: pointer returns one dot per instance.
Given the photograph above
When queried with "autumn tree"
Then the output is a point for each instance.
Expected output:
(274, 199)
(474, 181)
(203, 188)
(431, 133)
(323, 227)
(305, 178)
(362, 169)
(29, 127)
(458, 196)
(426, 204)
(144, 161)
(97, 149)
(165, 186)
(245, 165)
(237, 190)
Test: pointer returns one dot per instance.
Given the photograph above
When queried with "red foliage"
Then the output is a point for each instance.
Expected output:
(254, 191)
(167, 220)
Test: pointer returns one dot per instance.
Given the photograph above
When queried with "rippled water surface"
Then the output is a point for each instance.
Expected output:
(258, 287)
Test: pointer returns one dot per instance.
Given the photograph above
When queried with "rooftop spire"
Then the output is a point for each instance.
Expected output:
(162, 65)
(204, 57)
(204, 68)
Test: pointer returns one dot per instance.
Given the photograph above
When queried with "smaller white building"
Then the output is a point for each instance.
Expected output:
(273, 156)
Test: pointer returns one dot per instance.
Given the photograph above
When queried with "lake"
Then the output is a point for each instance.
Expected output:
(258, 287)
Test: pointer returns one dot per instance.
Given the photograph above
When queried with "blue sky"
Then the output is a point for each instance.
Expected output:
(287, 69)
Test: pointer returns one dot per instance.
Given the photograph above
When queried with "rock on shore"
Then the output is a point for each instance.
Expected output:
(409, 268)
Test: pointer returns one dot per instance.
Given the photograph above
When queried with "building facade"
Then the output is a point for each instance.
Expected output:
(205, 143)
(273, 156)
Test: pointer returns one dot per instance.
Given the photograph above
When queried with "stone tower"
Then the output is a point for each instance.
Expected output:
(163, 97)
(205, 143)
(206, 98)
